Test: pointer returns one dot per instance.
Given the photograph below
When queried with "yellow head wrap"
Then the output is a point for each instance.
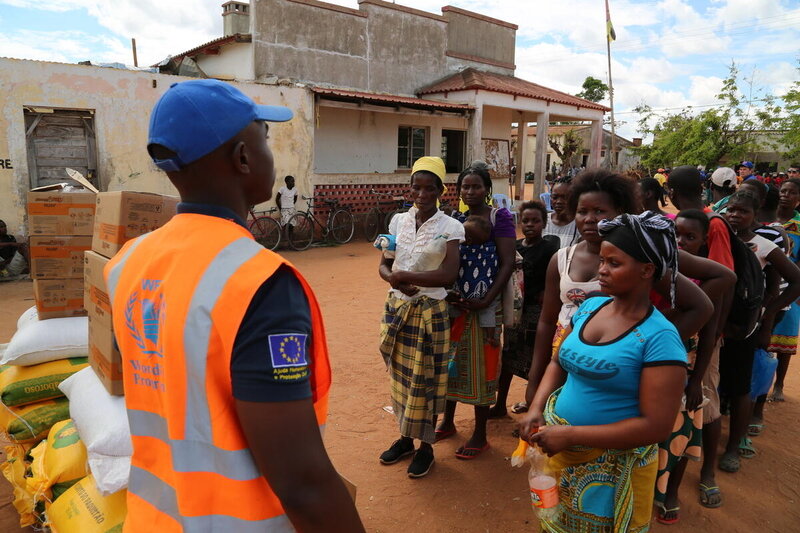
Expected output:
(434, 165)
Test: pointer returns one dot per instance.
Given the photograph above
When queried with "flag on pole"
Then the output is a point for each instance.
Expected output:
(611, 34)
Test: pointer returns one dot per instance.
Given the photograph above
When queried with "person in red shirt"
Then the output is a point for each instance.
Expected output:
(686, 192)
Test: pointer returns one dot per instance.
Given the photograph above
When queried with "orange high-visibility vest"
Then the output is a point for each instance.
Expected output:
(178, 297)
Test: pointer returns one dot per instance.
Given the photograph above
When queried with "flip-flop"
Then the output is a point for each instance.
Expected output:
(441, 435)
(461, 452)
(754, 430)
(777, 396)
(519, 408)
(667, 521)
(746, 449)
(706, 493)
(729, 463)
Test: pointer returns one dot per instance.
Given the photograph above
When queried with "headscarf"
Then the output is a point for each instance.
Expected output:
(432, 164)
(648, 238)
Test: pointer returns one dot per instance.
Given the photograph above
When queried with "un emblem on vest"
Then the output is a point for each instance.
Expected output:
(148, 308)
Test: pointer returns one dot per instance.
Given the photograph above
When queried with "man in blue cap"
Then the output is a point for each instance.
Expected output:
(227, 386)
(746, 171)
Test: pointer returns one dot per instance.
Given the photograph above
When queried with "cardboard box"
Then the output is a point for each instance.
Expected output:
(58, 257)
(95, 295)
(124, 215)
(54, 211)
(104, 356)
(57, 298)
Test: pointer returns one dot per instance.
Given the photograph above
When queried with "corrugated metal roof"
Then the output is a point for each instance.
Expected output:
(407, 101)
(471, 78)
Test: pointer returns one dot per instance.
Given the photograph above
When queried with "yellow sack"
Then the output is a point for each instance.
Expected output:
(82, 509)
(61, 459)
(14, 471)
(31, 423)
(21, 385)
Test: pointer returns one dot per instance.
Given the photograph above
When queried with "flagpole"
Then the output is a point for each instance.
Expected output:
(609, 34)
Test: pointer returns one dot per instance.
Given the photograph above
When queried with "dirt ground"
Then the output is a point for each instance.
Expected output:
(486, 494)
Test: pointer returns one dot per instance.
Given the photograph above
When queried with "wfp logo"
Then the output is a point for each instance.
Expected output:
(151, 309)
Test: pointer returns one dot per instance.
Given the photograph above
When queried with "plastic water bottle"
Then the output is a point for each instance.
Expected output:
(544, 486)
(387, 244)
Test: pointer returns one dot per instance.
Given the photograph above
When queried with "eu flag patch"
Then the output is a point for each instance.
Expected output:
(288, 350)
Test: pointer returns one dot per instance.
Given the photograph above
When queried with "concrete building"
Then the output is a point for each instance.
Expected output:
(625, 158)
(391, 83)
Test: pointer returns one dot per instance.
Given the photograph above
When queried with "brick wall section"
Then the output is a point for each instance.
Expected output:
(358, 196)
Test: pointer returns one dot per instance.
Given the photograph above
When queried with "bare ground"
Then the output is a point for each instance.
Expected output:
(486, 494)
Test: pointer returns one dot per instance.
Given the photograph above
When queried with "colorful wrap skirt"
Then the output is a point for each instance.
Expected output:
(475, 362)
(601, 491)
(784, 335)
(415, 341)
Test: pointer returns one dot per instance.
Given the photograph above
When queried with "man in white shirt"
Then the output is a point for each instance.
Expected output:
(286, 198)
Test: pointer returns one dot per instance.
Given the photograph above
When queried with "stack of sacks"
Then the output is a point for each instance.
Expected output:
(102, 423)
(82, 509)
(57, 463)
(41, 354)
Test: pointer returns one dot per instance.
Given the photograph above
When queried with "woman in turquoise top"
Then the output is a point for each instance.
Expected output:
(614, 390)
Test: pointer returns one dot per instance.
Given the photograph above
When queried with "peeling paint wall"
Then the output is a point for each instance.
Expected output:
(121, 101)
(236, 63)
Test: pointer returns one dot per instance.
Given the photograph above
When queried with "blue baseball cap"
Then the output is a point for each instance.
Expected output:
(194, 118)
(747, 164)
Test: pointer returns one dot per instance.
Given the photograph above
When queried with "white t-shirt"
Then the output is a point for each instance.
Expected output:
(411, 242)
(567, 234)
(762, 248)
(287, 197)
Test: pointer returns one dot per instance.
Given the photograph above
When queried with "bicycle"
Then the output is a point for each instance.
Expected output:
(265, 229)
(339, 225)
(375, 222)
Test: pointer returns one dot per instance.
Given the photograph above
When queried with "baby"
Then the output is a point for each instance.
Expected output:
(477, 271)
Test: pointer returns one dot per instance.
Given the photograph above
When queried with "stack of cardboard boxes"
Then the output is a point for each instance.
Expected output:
(119, 217)
(60, 223)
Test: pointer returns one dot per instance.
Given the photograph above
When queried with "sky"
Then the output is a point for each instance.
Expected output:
(668, 54)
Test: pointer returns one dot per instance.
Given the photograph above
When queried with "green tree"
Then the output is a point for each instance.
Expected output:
(593, 89)
(789, 122)
(566, 145)
(731, 129)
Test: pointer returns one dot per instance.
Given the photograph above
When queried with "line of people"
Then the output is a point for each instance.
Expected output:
(626, 339)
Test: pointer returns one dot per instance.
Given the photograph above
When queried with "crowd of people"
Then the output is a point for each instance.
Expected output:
(626, 339)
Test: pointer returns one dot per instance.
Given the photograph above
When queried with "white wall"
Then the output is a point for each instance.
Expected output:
(234, 62)
(356, 142)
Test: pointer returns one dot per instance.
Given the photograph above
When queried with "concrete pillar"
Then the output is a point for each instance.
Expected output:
(474, 135)
(596, 147)
(540, 162)
(521, 156)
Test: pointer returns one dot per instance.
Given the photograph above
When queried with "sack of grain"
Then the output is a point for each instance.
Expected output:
(31, 423)
(48, 340)
(102, 423)
(82, 509)
(28, 317)
(21, 385)
(14, 471)
(60, 459)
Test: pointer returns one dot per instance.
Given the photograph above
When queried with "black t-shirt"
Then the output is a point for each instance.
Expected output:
(7, 252)
(534, 266)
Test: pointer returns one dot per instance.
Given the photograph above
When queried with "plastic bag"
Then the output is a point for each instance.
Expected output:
(14, 471)
(432, 254)
(764, 366)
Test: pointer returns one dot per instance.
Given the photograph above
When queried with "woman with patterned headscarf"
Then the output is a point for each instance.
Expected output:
(613, 390)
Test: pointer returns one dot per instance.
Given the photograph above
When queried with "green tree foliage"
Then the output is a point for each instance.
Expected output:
(593, 89)
(789, 122)
(566, 145)
(732, 128)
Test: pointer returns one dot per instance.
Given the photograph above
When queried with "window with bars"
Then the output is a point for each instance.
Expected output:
(411, 145)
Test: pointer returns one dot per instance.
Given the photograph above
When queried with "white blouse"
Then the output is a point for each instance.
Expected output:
(411, 242)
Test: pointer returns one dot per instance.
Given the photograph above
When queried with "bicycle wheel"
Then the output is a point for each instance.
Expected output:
(266, 231)
(301, 232)
(342, 226)
(372, 224)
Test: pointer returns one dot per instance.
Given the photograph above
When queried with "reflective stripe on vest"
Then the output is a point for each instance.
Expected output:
(162, 496)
